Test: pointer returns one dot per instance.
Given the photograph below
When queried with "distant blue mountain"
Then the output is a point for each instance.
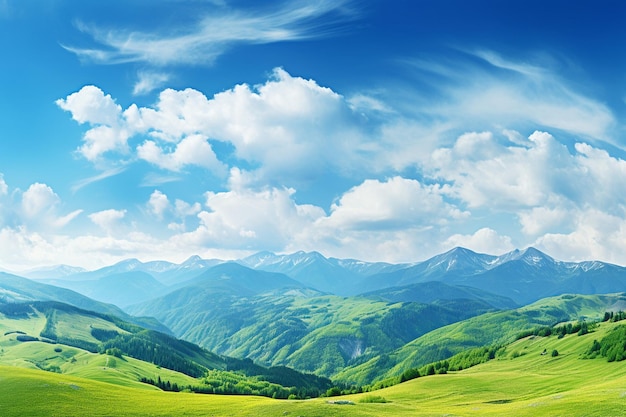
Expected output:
(522, 275)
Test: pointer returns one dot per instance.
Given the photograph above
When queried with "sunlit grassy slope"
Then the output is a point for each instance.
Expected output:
(520, 382)
(497, 327)
(73, 361)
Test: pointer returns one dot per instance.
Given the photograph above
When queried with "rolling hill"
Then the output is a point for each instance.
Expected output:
(499, 327)
(300, 327)
(60, 338)
(18, 289)
(520, 381)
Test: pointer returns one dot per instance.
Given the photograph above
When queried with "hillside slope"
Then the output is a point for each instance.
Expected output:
(526, 384)
(496, 327)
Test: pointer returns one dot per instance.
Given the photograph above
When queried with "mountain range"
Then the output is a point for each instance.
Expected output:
(317, 314)
(521, 275)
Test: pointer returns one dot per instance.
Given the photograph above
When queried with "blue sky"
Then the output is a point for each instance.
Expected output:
(377, 130)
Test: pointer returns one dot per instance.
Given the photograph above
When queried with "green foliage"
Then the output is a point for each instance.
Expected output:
(373, 399)
(614, 316)
(612, 346)
(307, 385)
(321, 335)
(225, 382)
(49, 331)
(409, 374)
(333, 392)
(156, 348)
(103, 334)
(15, 310)
(26, 338)
(117, 352)
(555, 353)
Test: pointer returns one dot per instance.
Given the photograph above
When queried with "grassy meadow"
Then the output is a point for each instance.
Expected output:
(521, 382)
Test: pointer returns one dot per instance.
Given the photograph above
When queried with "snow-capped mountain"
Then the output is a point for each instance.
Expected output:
(523, 275)
(55, 271)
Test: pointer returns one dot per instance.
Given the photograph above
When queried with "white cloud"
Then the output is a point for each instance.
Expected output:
(184, 209)
(99, 177)
(202, 41)
(486, 173)
(90, 105)
(397, 203)
(158, 203)
(38, 200)
(485, 240)
(149, 81)
(290, 130)
(507, 93)
(107, 219)
(600, 179)
(267, 219)
(39, 208)
(539, 220)
(313, 127)
(192, 150)
(596, 235)
(4, 188)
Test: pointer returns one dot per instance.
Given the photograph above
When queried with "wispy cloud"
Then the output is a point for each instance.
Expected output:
(149, 81)
(480, 89)
(103, 175)
(213, 34)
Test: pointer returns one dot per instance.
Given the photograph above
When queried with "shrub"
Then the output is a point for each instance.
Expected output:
(555, 353)
(373, 399)
(26, 338)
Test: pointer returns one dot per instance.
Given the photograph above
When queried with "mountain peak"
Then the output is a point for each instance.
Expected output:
(459, 259)
(129, 264)
(534, 256)
(192, 259)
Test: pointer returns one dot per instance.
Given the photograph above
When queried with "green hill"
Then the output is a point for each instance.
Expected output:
(520, 381)
(15, 289)
(496, 327)
(298, 327)
(60, 338)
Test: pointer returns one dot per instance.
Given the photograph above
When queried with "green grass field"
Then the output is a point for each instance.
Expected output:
(521, 382)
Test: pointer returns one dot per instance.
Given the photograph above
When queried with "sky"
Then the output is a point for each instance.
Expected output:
(377, 130)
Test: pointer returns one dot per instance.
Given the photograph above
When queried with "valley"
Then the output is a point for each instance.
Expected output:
(257, 328)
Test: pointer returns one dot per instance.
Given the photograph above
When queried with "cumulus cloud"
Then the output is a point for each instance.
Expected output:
(254, 220)
(90, 105)
(485, 240)
(192, 150)
(158, 203)
(499, 186)
(107, 219)
(314, 128)
(397, 203)
(37, 208)
(38, 200)
(596, 235)
(486, 173)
